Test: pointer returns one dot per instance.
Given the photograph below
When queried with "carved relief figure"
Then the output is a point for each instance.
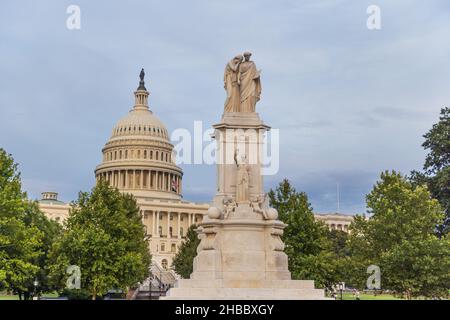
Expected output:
(249, 83)
(257, 203)
(242, 179)
(229, 205)
(230, 79)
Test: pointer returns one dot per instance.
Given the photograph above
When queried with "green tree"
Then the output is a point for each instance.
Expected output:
(25, 235)
(436, 173)
(183, 260)
(104, 236)
(307, 246)
(402, 215)
(418, 267)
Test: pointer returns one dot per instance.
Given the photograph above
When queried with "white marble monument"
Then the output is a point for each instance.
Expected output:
(240, 255)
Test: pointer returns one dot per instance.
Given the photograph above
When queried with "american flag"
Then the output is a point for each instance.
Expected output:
(174, 186)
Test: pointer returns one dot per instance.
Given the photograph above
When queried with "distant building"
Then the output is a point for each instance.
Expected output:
(54, 208)
(335, 221)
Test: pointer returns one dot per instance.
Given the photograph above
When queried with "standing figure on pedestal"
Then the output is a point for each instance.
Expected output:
(242, 179)
(250, 84)
(230, 79)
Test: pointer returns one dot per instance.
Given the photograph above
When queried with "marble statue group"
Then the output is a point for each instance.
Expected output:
(242, 84)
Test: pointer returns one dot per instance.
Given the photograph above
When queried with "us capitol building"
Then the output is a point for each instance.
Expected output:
(138, 159)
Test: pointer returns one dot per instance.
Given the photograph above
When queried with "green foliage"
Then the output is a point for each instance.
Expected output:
(25, 235)
(396, 236)
(418, 267)
(306, 240)
(105, 237)
(436, 173)
(183, 260)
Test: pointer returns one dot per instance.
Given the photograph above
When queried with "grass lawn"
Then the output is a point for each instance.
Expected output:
(364, 296)
(4, 296)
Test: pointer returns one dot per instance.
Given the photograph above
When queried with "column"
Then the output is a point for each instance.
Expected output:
(189, 220)
(149, 178)
(157, 223)
(168, 224)
(178, 225)
(164, 181)
(142, 179)
(154, 232)
(134, 179)
(127, 179)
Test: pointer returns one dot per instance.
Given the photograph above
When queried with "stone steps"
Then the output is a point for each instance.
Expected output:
(227, 283)
(244, 294)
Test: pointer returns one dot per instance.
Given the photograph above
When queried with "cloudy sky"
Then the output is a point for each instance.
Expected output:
(349, 102)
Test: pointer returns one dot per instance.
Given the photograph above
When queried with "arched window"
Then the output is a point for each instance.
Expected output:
(145, 154)
(164, 263)
(151, 155)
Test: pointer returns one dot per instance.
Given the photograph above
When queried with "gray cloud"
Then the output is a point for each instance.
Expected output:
(349, 102)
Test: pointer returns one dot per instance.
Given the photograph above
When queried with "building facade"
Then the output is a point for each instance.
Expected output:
(336, 221)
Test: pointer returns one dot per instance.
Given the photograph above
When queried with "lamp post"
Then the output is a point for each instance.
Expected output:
(35, 284)
(341, 288)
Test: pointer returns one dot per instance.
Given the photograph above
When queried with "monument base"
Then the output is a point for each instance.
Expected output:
(242, 258)
(191, 289)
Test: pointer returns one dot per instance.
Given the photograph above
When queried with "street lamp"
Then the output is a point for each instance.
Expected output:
(35, 284)
(341, 288)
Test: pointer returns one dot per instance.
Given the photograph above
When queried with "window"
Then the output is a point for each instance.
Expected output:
(170, 231)
(160, 231)
(173, 247)
(181, 232)
(145, 154)
(163, 247)
(164, 264)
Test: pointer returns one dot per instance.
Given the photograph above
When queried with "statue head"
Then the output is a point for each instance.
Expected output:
(247, 55)
(238, 58)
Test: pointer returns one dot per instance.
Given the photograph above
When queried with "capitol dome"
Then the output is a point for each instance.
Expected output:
(138, 156)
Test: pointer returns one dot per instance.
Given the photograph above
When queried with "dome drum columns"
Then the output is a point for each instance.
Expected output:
(144, 179)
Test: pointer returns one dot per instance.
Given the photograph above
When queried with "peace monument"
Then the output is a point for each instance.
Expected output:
(240, 255)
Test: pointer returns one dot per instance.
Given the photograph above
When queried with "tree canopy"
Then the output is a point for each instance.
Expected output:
(184, 259)
(26, 235)
(104, 236)
(399, 237)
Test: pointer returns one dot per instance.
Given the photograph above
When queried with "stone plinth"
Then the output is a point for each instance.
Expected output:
(242, 259)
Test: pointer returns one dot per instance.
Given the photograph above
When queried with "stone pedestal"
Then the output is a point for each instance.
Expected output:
(240, 255)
